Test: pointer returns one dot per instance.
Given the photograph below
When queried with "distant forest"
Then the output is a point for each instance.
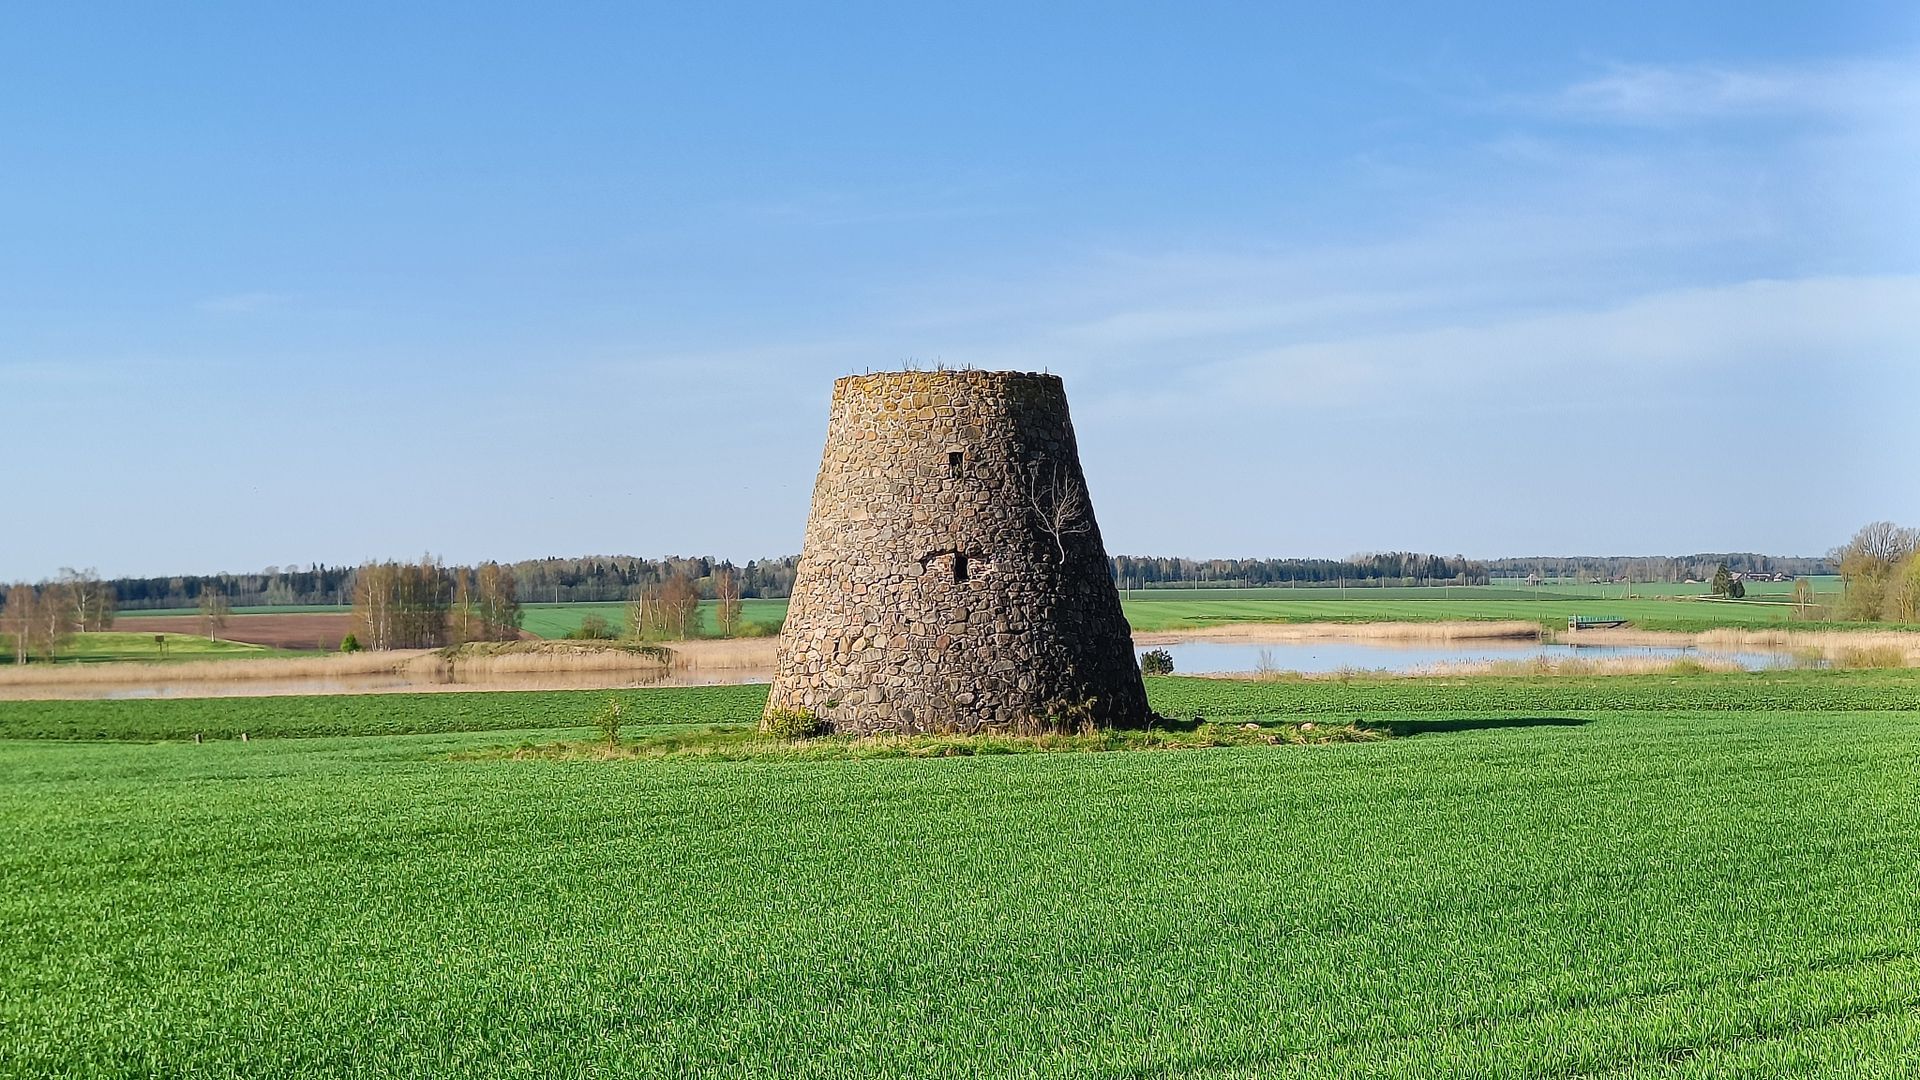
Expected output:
(590, 579)
(1656, 568)
(1383, 568)
(614, 578)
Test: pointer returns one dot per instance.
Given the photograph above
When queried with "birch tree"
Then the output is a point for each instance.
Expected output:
(1059, 503)
(214, 611)
(727, 606)
(17, 621)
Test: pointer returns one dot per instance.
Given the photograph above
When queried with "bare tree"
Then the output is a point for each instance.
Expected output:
(214, 611)
(373, 594)
(1802, 597)
(1880, 542)
(402, 605)
(462, 619)
(17, 621)
(679, 606)
(643, 612)
(52, 618)
(497, 598)
(1059, 502)
(726, 595)
(1867, 564)
(92, 599)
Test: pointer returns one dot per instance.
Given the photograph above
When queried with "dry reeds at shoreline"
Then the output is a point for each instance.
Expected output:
(1838, 648)
(512, 665)
(483, 660)
(334, 665)
(724, 654)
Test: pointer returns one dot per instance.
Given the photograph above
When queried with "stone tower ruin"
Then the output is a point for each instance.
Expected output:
(953, 578)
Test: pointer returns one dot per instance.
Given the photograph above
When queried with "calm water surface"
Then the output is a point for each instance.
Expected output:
(1318, 657)
(1210, 657)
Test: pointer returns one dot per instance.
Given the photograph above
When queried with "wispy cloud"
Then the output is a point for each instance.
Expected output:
(1667, 95)
(1811, 328)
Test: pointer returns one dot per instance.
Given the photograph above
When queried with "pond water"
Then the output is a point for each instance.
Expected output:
(1320, 657)
(1203, 657)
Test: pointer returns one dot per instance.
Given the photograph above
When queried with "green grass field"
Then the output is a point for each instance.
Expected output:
(1825, 587)
(1637, 876)
(1647, 614)
(557, 620)
(111, 645)
(1654, 607)
(1188, 609)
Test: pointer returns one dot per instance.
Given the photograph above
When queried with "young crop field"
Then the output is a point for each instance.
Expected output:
(1636, 876)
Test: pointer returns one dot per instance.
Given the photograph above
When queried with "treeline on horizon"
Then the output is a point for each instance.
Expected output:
(593, 579)
(618, 578)
(1383, 568)
(1699, 567)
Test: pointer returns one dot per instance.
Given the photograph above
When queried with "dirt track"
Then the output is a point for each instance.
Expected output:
(312, 630)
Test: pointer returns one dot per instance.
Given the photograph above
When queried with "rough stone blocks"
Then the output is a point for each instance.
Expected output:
(953, 578)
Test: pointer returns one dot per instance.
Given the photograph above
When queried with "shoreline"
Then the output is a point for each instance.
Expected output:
(563, 665)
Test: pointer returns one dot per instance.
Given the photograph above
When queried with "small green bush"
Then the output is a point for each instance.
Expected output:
(608, 721)
(1156, 662)
(350, 644)
(592, 628)
(793, 724)
(757, 629)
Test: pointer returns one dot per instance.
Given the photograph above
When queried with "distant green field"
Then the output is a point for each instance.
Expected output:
(1190, 608)
(1704, 876)
(1825, 587)
(1651, 614)
(112, 645)
(1655, 607)
(557, 620)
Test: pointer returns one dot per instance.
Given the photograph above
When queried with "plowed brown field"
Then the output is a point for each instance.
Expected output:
(310, 630)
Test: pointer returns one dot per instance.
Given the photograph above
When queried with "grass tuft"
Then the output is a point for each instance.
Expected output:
(746, 744)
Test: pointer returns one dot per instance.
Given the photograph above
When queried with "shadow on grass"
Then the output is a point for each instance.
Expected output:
(1401, 729)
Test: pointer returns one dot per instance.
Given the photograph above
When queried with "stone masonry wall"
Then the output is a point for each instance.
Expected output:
(931, 595)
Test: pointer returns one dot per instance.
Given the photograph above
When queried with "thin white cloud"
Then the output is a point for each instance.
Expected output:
(1666, 95)
(1753, 328)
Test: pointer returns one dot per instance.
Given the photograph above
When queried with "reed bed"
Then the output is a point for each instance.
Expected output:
(333, 665)
(480, 661)
(1578, 665)
(1844, 648)
(478, 665)
(724, 654)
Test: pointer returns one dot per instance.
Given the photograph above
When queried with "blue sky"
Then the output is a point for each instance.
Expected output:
(342, 282)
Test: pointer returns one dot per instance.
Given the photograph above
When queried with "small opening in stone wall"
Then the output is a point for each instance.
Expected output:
(959, 566)
(955, 460)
